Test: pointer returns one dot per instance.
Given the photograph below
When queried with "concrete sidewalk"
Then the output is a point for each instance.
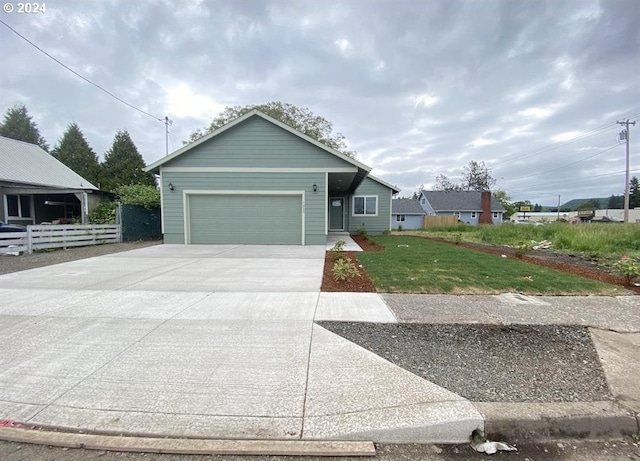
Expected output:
(208, 341)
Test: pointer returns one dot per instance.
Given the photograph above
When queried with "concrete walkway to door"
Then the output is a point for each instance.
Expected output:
(213, 341)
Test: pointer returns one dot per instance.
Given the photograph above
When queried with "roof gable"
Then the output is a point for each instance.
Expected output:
(458, 201)
(25, 163)
(193, 147)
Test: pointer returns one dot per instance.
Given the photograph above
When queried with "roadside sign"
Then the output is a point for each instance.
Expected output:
(525, 208)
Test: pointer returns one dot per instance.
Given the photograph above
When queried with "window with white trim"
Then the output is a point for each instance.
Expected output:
(423, 201)
(18, 206)
(495, 215)
(365, 205)
(400, 218)
(474, 215)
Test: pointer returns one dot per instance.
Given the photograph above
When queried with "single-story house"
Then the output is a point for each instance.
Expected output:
(471, 207)
(256, 180)
(35, 187)
(407, 213)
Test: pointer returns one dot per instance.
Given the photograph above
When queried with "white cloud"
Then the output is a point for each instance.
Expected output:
(182, 101)
(566, 136)
(425, 100)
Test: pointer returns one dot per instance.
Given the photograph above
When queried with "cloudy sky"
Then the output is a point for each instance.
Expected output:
(532, 88)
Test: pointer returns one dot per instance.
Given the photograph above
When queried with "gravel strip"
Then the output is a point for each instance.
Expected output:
(490, 363)
(9, 263)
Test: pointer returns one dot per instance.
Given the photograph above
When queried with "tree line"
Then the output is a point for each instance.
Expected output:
(122, 165)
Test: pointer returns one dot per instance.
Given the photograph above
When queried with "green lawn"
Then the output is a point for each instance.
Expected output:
(416, 265)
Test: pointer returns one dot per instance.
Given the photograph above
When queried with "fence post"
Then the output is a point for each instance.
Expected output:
(29, 240)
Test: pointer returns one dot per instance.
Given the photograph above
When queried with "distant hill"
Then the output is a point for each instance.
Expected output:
(575, 203)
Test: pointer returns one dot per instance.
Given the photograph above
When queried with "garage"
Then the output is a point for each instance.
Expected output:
(245, 218)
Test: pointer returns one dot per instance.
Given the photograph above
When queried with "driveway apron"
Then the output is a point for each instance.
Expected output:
(216, 341)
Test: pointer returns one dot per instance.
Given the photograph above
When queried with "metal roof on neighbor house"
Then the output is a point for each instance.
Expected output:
(406, 206)
(25, 163)
(458, 201)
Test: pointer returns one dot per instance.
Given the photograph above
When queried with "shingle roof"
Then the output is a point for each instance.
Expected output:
(406, 206)
(25, 163)
(458, 201)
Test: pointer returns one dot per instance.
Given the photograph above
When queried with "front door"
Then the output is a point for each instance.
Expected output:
(336, 214)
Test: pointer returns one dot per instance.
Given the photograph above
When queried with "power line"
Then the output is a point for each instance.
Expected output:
(564, 166)
(552, 146)
(79, 75)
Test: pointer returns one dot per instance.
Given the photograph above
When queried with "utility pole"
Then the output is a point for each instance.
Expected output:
(626, 175)
(168, 122)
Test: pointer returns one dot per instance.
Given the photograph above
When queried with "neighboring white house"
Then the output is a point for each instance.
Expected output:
(467, 206)
(407, 213)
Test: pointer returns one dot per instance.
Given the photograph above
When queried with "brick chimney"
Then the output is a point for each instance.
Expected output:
(485, 204)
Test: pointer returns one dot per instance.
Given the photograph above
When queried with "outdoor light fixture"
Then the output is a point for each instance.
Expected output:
(315, 188)
(172, 187)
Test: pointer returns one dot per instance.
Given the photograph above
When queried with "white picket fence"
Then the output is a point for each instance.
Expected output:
(42, 237)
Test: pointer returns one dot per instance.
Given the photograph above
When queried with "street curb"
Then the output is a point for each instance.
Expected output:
(184, 446)
(583, 420)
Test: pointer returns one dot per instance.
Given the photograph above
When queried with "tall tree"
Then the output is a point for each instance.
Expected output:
(634, 193)
(73, 150)
(18, 124)
(300, 118)
(445, 184)
(475, 177)
(123, 165)
(505, 200)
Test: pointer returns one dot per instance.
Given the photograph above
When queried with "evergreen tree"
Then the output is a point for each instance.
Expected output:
(74, 151)
(17, 124)
(615, 202)
(123, 165)
(634, 193)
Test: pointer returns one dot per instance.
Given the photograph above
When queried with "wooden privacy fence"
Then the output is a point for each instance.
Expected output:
(43, 237)
(432, 221)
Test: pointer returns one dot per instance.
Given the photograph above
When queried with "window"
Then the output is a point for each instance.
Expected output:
(400, 218)
(423, 201)
(365, 205)
(457, 213)
(474, 215)
(495, 215)
(19, 206)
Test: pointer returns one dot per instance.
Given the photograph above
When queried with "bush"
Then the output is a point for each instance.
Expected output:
(523, 248)
(104, 213)
(344, 269)
(628, 268)
(362, 231)
(138, 194)
(339, 246)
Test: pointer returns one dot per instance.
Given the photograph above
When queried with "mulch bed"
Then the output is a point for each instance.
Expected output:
(366, 244)
(362, 284)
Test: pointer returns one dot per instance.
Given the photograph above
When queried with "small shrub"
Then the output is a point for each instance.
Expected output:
(386, 232)
(522, 248)
(458, 239)
(344, 269)
(362, 231)
(339, 246)
(399, 228)
(628, 268)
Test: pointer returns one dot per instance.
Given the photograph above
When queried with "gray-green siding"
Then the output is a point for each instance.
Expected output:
(257, 143)
(315, 202)
(373, 224)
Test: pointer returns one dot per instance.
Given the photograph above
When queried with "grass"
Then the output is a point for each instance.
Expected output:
(415, 265)
(594, 240)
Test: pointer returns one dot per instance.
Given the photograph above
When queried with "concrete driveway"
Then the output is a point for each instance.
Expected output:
(215, 341)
